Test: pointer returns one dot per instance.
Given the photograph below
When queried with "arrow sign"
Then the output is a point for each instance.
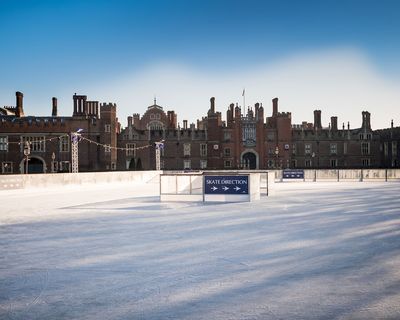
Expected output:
(226, 184)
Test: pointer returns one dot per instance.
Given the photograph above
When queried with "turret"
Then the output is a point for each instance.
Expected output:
(366, 120)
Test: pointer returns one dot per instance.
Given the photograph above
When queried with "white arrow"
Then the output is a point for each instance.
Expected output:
(237, 188)
(225, 188)
(214, 188)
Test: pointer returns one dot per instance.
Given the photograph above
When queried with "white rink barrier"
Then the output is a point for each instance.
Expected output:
(227, 187)
(360, 175)
(22, 181)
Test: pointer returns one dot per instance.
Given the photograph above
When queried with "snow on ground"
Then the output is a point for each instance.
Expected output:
(311, 251)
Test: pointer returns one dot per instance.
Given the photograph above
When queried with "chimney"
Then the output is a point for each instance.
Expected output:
(274, 107)
(212, 108)
(130, 121)
(317, 119)
(238, 112)
(20, 104)
(185, 122)
(334, 123)
(261, 113)
(54, 109)
(366, 120)
(391, 124)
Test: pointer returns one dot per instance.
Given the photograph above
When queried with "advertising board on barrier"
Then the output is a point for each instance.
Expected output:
(293, 174)
(235, 185)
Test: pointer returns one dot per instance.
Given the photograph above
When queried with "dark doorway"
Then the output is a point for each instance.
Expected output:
(139, 164)
(132, 164)
(249, 161)
(35, 165)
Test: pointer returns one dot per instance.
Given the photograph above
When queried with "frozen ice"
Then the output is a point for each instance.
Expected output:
(113, 251)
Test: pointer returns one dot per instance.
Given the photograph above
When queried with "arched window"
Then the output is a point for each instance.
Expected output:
(155, 125)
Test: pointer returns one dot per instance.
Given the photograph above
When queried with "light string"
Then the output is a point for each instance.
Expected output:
(80, 138)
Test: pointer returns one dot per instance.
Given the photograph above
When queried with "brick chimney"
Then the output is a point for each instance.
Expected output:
(317, 119)
(275, 107)
(54, 109)
(334, 124)
(19, 111)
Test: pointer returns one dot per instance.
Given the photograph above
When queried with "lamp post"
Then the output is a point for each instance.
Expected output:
(277, 156)
(53, 157)
(27, 152)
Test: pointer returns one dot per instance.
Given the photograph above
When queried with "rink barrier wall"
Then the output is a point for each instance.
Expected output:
(189, 186)
(346, 175)
(22, 181)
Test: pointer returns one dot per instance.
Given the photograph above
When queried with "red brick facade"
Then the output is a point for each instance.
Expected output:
(245, 139)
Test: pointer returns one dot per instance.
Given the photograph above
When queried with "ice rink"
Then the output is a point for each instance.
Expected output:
(311, 251)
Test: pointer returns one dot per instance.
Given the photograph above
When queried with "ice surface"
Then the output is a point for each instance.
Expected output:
(311, 251)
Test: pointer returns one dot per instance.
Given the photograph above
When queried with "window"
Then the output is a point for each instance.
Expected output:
(293, 149)
(365, 148)
(308, 163)
(107, 128)
(107, 148)
(186, 164)
(64, 144)
(333, 163)
(345, 148)
(130, 149)
(4, 143)
(152, 116)
(7, 167)
(227, 152)
(369, 136)
(394, 149)
(162, 164)
(227, 164)
(113, 166)
(294, 163)
(186, 149)
(270, 136)
(37, 143)
(155, 125)
(203, 150)
(270, 164)
(333, 148)
(227, 136)
(203, 164)
(365, 162)
(307, 148)
(64, 166)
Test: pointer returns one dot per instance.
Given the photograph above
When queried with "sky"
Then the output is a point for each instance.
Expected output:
(340, 56)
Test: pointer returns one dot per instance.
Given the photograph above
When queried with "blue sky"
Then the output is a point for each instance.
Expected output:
(56, 48)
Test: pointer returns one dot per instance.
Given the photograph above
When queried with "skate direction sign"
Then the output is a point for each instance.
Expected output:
(226, 185)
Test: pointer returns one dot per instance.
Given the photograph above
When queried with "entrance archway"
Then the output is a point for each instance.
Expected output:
(35, 165)
(249, 160)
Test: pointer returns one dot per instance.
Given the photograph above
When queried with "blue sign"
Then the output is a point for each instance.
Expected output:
(226, 184)
(293, 174)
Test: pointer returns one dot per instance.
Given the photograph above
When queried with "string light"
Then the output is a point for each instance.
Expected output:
(88, 140)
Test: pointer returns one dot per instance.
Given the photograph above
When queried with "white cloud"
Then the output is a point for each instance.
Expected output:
(341, 82)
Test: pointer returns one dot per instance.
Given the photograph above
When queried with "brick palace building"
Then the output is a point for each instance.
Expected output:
(246, 139)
